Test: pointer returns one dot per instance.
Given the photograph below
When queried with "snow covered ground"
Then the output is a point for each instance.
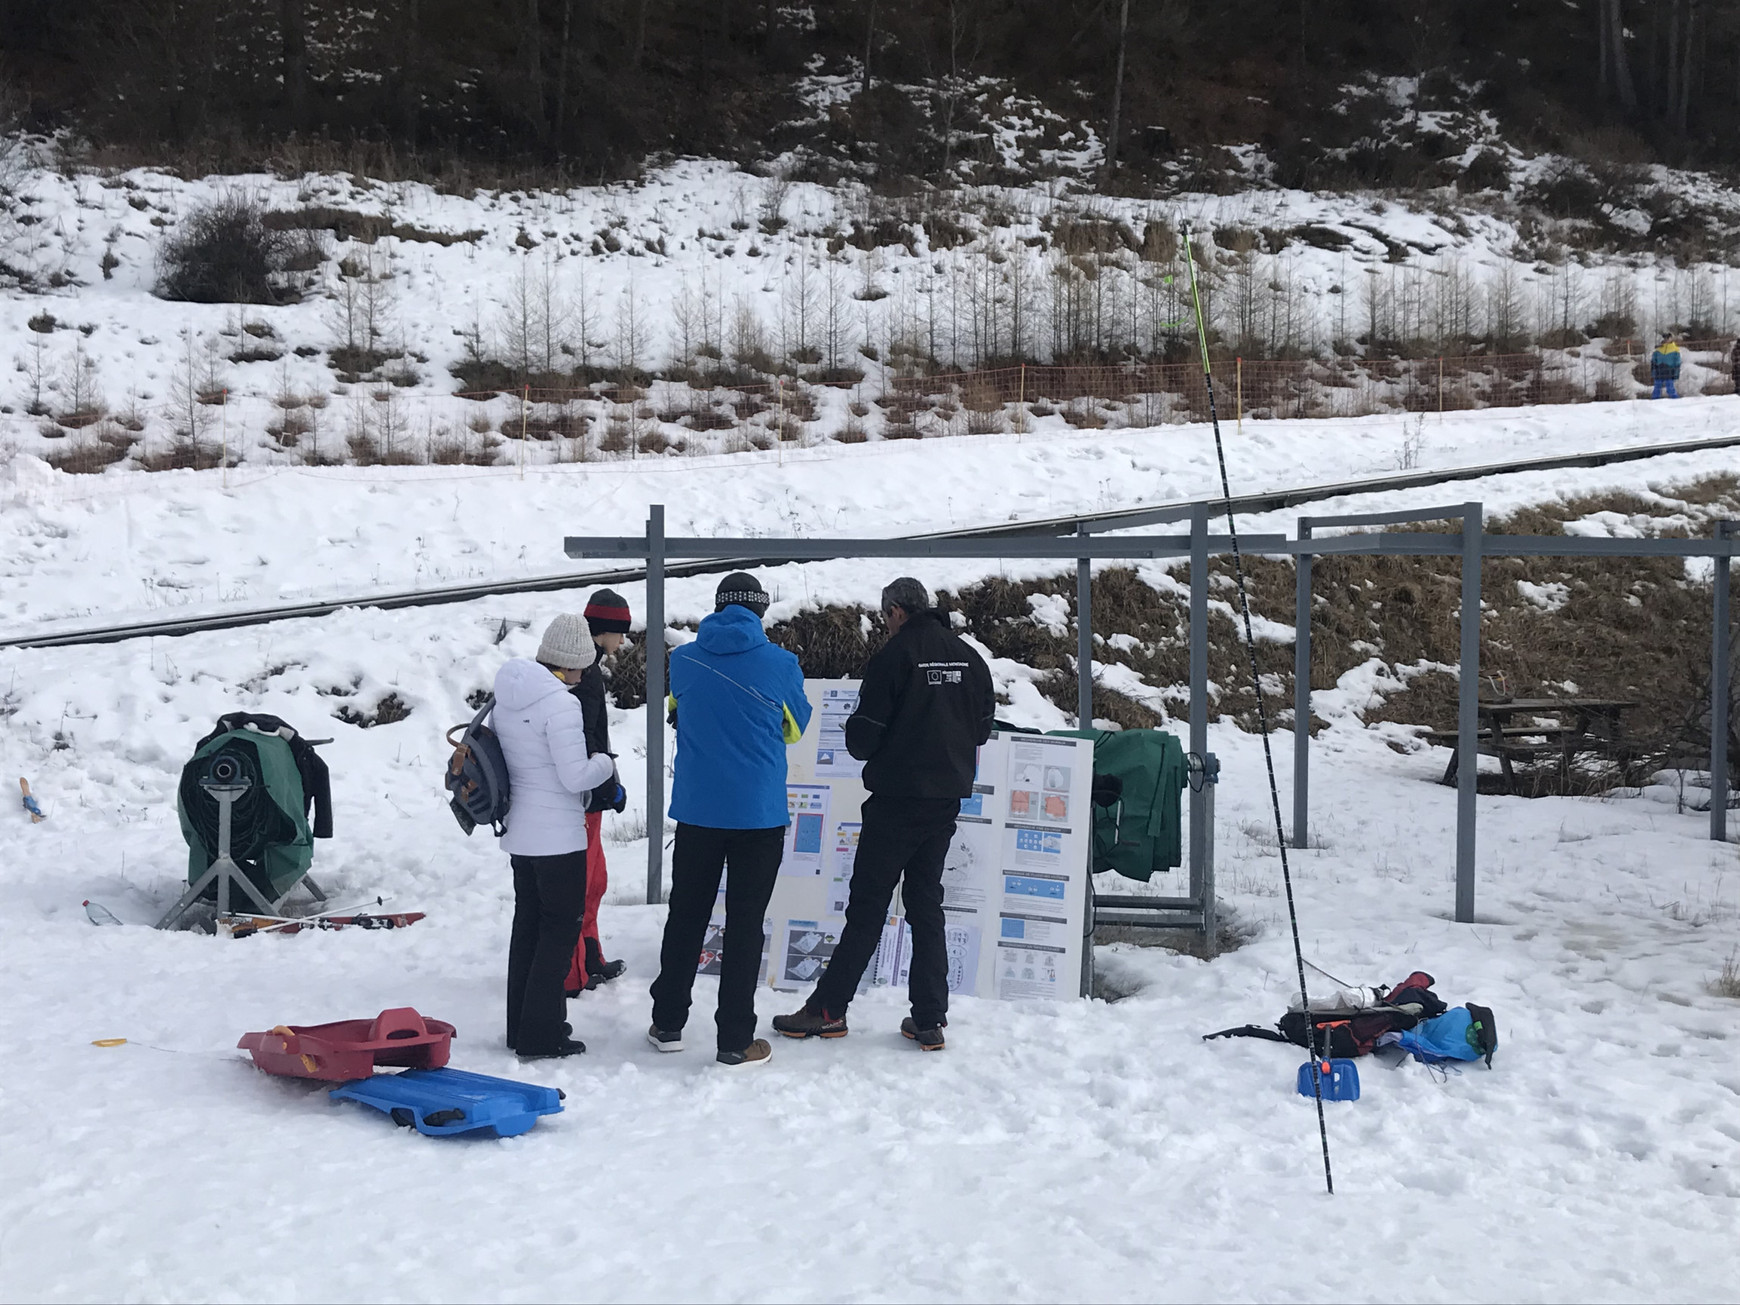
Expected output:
(1091, 1150)
(89, 550)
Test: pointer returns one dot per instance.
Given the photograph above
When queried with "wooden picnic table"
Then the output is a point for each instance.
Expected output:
(1584, 725)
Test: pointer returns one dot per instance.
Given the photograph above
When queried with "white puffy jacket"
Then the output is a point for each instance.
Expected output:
(543, 737)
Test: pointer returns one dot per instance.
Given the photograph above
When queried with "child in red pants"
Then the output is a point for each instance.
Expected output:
(608, 616)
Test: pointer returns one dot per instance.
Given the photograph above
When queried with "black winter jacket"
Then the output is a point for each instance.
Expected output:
(924, 707)
(590, 692)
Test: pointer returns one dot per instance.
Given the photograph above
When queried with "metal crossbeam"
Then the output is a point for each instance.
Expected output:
(1108, 547)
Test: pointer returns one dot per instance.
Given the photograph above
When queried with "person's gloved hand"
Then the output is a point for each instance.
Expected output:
(619, 800)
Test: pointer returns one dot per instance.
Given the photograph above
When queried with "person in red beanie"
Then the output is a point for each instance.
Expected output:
(607, 615)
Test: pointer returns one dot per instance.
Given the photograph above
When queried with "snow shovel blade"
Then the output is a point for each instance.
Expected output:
(1340, 1079)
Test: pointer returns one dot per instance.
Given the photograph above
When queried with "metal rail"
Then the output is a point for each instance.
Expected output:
(1085, 523)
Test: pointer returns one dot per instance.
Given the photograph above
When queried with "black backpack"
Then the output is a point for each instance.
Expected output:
(477, 774)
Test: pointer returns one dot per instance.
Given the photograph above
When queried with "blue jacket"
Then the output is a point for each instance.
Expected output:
(1664, 363)
(739, 701)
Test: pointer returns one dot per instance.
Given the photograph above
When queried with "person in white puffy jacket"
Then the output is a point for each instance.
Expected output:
(543, 739)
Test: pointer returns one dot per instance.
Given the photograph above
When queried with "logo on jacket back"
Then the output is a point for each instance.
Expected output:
(942, 672)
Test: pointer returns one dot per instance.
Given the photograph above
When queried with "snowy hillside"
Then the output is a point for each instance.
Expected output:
(1093, 1150)
(396, 296)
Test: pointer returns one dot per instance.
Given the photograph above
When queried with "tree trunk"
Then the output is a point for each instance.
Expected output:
(637, 34)
(1622, 82)
(293, 45)
(1671, 80)
(531, 41)
(1603, 58)
(1682, 113)
(410, 74)
(1118, 88)
(560, 125)
(869, 41)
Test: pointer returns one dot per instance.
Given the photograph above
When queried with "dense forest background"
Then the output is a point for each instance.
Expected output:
(886, 89)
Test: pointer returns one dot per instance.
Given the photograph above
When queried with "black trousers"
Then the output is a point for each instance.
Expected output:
(549, 899)
(901, 836)
(702, 854)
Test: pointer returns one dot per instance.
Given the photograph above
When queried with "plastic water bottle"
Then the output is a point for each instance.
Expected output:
(100, 914)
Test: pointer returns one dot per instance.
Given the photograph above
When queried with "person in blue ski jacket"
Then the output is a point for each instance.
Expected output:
(1664, 368)
(738, 701)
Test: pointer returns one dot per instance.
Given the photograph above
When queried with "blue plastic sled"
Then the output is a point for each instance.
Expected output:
(1340, 1080)
(446, 1102)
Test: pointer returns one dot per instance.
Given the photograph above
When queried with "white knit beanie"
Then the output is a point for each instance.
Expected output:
(568, 644)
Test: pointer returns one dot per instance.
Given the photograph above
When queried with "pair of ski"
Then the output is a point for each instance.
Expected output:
(345, 917)
(30, 803)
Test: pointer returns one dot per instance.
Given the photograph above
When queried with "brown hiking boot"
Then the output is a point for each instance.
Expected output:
(810, 1021)
(756, 1053)
(930, 1039)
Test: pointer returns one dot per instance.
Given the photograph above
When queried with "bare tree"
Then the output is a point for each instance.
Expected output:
(34, 363)
(187, 384)
(631, 340)
(80, 389)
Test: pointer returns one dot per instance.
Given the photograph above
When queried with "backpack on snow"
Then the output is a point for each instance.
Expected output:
(477, 774)
(1344, 1030)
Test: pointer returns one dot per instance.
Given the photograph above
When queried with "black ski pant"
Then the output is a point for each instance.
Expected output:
(901, 836)
(702, 854)
(549, 899)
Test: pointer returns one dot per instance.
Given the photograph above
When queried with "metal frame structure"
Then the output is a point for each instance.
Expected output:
(1197, 908)
(1470, 544)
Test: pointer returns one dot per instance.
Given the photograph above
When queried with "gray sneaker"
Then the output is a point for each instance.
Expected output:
(664, 1039)
(928, 1039)
(756, 1053)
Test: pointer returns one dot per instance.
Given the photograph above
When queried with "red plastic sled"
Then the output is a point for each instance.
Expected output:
(350, 1049)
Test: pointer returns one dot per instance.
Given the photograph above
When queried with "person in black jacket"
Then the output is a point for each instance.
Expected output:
(925, 705)
(607, 616)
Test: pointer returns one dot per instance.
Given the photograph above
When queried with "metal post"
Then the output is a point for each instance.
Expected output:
(1302, 692)
(226, 818)
(1210, 917)
(1198, 691)
(1721, 660)
(655, 703)
(1468, 712)
(1084, 640)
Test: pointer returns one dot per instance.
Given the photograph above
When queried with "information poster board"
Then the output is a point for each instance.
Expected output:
(1015, 885)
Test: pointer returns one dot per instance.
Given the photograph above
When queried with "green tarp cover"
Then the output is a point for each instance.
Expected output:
(1142, 832)
(269, 835)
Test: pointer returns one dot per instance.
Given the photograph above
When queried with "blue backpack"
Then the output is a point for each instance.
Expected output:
(477, 775)
(1466, 1033)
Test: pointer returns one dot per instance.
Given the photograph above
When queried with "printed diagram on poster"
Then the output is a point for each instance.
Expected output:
(845, 843)
(963, 945)
(837, 701)
(1015, 880)
(807, 807)
(808, 945)
(713, 942)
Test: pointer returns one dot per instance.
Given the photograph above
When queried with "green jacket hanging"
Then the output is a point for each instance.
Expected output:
(1143, 831)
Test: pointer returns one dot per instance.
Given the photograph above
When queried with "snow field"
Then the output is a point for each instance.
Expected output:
(1083, 1150)
(82, 550)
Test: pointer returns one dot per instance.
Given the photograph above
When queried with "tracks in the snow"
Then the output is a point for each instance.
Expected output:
(1123, 519)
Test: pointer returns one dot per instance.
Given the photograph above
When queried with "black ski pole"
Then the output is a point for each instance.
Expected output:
(1262, 713)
